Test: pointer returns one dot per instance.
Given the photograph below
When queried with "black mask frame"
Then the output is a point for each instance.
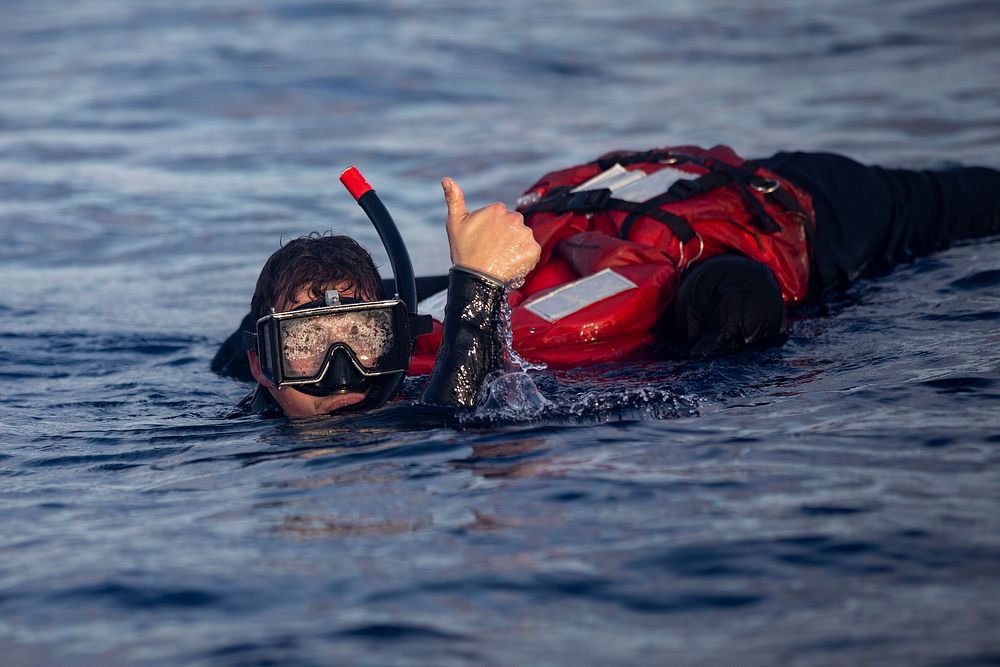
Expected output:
(270, 342)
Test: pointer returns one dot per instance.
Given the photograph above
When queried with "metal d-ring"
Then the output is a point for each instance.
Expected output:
(681, 264)
(765, 185)
(701, 250)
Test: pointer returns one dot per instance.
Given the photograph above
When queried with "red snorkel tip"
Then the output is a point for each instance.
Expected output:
(355, 182)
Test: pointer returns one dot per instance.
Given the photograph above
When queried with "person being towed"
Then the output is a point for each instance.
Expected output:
(694, 248)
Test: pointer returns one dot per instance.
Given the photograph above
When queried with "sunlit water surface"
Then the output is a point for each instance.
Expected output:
(833, 501)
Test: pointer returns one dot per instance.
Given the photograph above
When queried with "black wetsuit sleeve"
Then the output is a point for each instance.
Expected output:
(727, 303)
(471, 345)
(231, 358)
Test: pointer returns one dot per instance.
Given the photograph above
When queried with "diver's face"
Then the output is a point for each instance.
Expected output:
(296, 403)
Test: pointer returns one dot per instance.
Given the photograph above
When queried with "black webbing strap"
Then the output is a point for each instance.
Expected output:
(744, 179)
(780, 196)
(562, 200)
(720, 176)
(638, 158)
(744, 175)
(715, 178)
(776, 195)
(688, 187)
(678, 225)
(650, 208)
(785, 200)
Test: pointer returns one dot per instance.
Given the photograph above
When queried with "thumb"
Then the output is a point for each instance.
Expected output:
(455, 198)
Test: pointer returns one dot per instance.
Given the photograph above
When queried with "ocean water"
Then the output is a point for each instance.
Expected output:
(834, 501)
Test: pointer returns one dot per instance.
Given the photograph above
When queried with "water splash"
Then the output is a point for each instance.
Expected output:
(510, 396)
(650, 402)
(514, 360)
(511, 393)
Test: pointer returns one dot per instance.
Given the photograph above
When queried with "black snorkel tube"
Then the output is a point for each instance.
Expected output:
(402, 272)
(399, 258)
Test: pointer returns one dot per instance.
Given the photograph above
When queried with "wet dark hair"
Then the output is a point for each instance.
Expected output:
(316, 261)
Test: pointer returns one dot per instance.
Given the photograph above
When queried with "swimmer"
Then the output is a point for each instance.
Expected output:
(327, 340)
(710, 263)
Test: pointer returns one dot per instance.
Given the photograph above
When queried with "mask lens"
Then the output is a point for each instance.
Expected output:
(306, 341)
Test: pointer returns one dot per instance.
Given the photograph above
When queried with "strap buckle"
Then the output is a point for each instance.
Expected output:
(587, 200)
(684, 188)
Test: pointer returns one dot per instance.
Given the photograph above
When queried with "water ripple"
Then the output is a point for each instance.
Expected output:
(831, 500)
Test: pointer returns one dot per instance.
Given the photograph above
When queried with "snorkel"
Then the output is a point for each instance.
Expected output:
(399, 258)
(402, 270)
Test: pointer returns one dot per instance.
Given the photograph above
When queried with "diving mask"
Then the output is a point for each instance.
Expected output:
(357, 341)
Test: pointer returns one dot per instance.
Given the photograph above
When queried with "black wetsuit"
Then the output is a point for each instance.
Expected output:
(867, 220)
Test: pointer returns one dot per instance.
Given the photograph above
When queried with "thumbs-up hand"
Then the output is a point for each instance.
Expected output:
(491, 240)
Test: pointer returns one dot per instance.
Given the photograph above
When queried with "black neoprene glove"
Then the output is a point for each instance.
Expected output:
(471, 347)
(727, 303)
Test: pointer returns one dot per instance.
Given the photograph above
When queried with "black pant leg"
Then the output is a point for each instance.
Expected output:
(854, 214)
(970, 199)
(868, 218)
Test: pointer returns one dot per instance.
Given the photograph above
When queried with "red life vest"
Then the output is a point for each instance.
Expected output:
(611, 261)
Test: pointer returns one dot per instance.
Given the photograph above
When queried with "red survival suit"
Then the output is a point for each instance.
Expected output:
(611, 260)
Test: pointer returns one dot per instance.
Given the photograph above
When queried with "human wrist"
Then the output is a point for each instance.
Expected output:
(486, 277)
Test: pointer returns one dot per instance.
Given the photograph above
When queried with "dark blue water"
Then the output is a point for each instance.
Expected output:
(834, 501)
